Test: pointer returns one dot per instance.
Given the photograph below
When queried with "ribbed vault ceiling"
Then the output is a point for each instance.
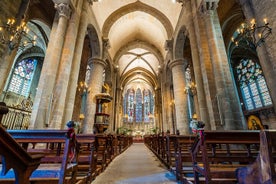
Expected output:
(128, 22)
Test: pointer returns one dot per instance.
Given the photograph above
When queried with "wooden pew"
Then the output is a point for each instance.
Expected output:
(59, 164)
(221, 153)
(123, 142)
(263, 169)
(87, 166)
(183, 157)
(102, 153)
(16, 158)
(173, 151)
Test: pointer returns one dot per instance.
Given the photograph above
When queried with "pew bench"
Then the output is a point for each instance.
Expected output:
(102, 153)
(15, 158)
(183, 158)
(173, 151)
(263, 170)
(217, 154)
(87, 167)
(59, 164)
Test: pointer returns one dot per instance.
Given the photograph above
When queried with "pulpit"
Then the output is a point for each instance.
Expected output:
(101, 116)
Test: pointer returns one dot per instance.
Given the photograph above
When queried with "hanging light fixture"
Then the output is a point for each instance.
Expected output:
(252, 33)
(16, 35)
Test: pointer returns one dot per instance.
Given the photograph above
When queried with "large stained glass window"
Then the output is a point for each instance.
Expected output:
(139, 105)
(252, 84)
(22, 77)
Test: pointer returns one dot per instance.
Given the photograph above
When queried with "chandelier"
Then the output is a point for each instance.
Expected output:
(252, 33)
(16, 36)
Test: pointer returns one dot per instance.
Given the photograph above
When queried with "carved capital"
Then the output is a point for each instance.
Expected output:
(96, 61)
(168, 45)
(177, 62)
(63, 9)
(106, 43)
(208, 6)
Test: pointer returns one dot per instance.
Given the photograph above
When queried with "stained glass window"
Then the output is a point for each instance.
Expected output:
(252, 84)
(146, 105)
(22, 76)
(131, 105)
(139, 105)
(151, 102)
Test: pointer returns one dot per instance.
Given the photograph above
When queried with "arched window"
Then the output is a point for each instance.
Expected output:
(251, 82)
(139, 105)
(146, 105)
(130, 108)
(22, 76)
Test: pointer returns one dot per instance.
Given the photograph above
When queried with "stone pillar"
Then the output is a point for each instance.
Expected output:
(158, 109)
(166, 85)
(118, 109)
(227, 102)
(63, 78)
(71, 93)
(95, 83)
(180, 98)
(200, 97)
(44, 99)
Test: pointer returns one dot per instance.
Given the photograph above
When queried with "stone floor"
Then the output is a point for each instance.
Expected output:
(137, 165)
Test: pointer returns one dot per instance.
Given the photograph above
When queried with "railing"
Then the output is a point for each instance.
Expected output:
(16, 118)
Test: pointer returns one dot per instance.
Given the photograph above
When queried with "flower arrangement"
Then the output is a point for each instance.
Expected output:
(197, 126)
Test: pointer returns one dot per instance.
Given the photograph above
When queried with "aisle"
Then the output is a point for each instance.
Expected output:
(137, 165)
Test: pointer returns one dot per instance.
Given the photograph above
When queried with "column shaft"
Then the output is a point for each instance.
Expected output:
(227, 103)
(66, 65)
(180, 98)
(95, 83)
(69, 107)
(202, 110)
(43, 103)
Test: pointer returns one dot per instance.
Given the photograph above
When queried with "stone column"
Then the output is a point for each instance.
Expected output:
(66, 63)
(158, 109)
(44, 99)
(166, 85)
(227, 102)
(71, 93)
(95, 83)
(180, 98)
(200, 97)
(118, 109)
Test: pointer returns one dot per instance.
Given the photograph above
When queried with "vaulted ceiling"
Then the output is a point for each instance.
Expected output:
(137, 32)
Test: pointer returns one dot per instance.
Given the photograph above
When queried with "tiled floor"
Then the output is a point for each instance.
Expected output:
(137, 165)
